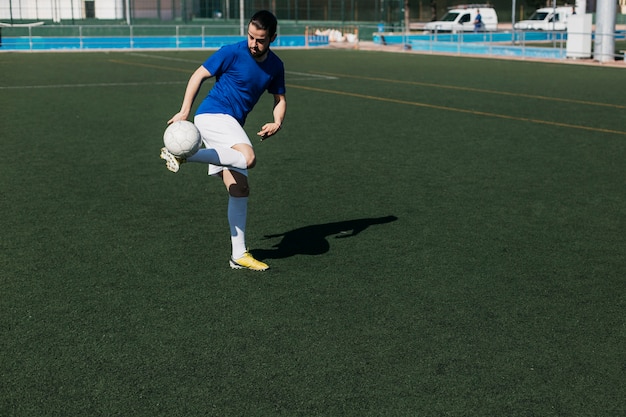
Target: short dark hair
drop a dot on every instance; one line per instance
(265, 20)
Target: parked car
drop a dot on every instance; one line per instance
(461, 19)
(547, 18)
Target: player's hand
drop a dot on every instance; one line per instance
(268, 129)
(177, 118)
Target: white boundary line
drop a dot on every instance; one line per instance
(26, 87)
(307, 76)
(164, 58)
(300, 76)
(304, 75)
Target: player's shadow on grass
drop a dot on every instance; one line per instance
(312, 240)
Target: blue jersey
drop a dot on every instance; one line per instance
(241, 80)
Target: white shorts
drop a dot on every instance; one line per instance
(221, 130)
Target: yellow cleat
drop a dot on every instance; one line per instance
(248, 262)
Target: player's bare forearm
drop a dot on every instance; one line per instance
(193, 86)
(279, 112)
(280, 108)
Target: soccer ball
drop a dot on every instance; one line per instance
(182, 138)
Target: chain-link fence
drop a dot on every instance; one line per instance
(393, 14)
(385, 11)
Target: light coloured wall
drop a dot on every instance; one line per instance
(57, 10)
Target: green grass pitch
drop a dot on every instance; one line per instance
(446, 237)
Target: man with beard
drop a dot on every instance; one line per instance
(243, 72)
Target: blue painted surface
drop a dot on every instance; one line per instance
(488, 49)
(498, 43)
(473, 37)
(144, 42)
(465, 43)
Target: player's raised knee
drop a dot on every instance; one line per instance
(239, 190)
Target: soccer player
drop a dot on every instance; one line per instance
(243, 72)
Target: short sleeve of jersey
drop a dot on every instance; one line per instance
(277, 86)
(217, 62)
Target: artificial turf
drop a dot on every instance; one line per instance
(445, 236)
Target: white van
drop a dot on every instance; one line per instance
(461, 19)
(547, 18)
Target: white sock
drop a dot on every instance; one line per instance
(226, 157)
(237, 215)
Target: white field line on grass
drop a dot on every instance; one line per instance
(163, 58)
(305, 76)
(40, 86)
(290, 75)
